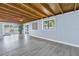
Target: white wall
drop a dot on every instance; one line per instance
(67, 29)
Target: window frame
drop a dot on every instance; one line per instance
(49, 19)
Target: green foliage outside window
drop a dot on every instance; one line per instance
(10, 29)
(6, 26)
(46, 24)
(49, 24)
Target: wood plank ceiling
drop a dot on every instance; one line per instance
(26, 12)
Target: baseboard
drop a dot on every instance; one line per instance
(74, 45)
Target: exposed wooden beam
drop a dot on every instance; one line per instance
(27, 13)
(41, 8)
(31, 9)
(75, 6)
(48, 8)
(60, 8)
(36, 7)
(45, 9)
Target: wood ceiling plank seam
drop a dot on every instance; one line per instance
(48, 8)
(45, 8)
(61, 10)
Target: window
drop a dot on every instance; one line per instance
(49, 24)
(6, 29)
(52, 24)
(10, 29)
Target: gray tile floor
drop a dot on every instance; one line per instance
(31, 46)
